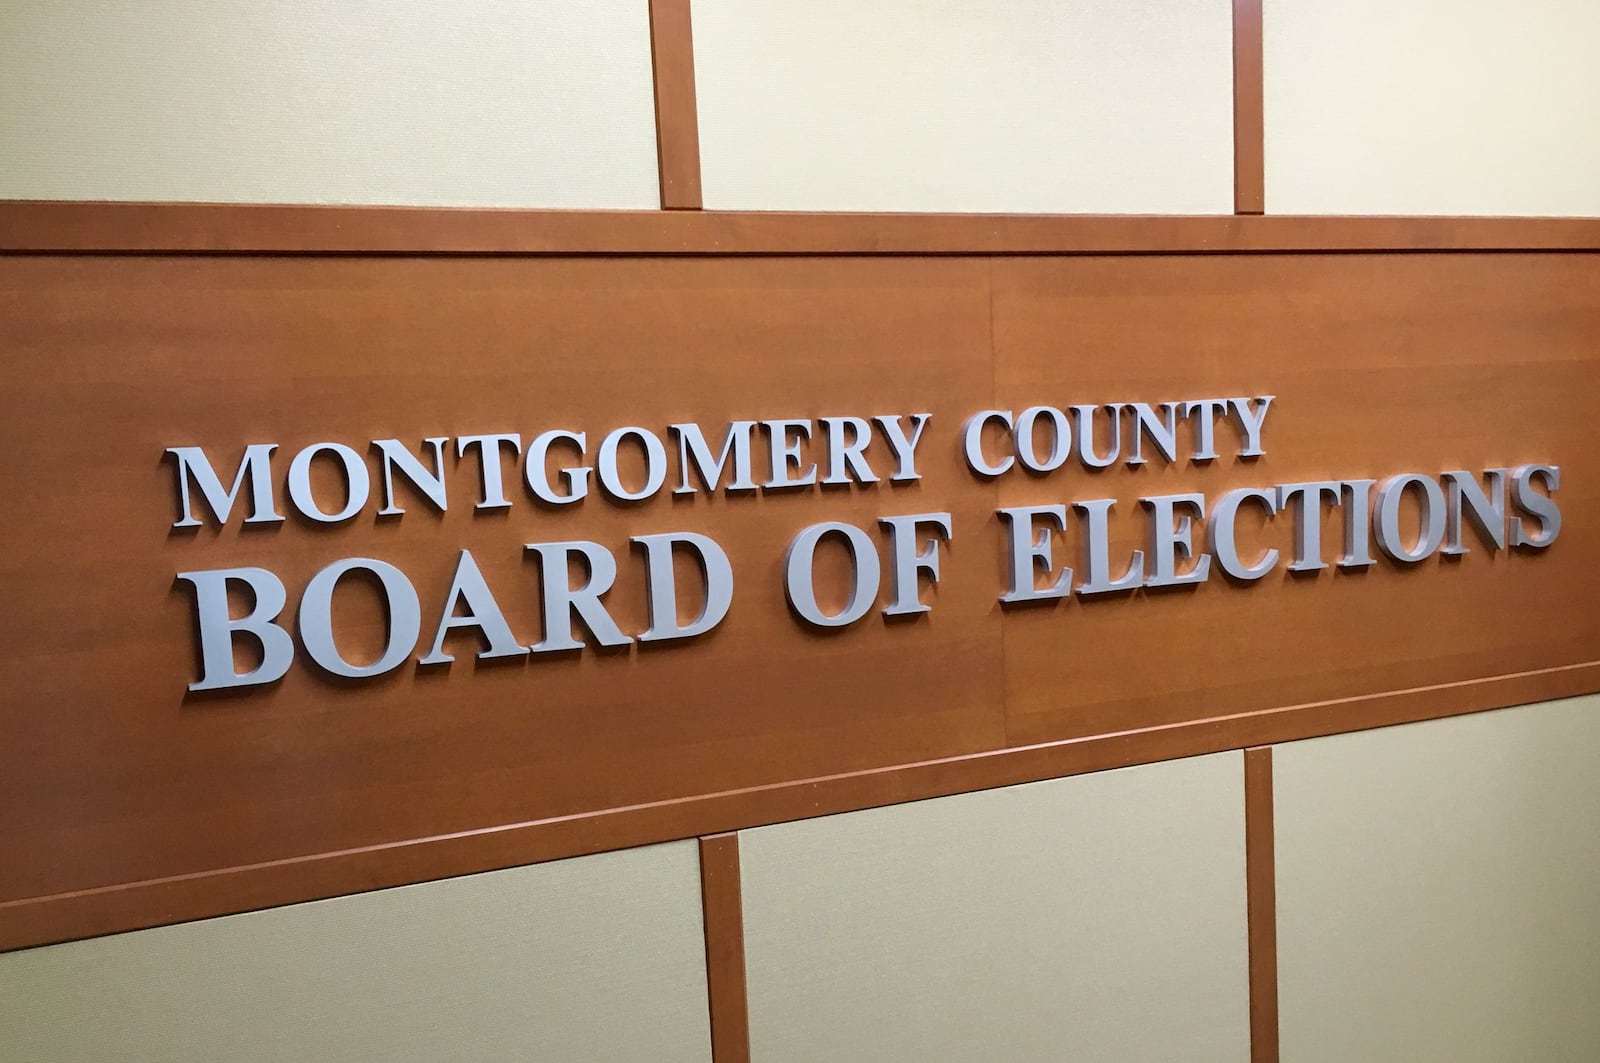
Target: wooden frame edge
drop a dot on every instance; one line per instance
(1261, 893)
(677, 118)
(722, 905)
(35, 227)
(1249, 121)
(113, 909)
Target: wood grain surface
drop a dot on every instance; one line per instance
(126, 802)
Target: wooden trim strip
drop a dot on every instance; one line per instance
(1261, 890)
(677, 121)
(134, 905)
(723, 905)
(1249, 124)
(116, 228)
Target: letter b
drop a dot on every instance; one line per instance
(218, 629)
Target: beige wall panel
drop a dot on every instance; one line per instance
(452, 102)
(1100, 917)
(1432, 107)
(597, 958)
(1439, 890)
(966, 105)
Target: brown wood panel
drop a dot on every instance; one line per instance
(723, 904)
(113, 772)
(211, 228)
(677, 125)
(1249, 133)
(1262, 904)
(137, 805)
(1380, 365)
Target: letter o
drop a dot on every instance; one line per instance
(356, 479)
(1023, 441)
(797, 572)
(316, 617)
(1387, 527)
(655, 464)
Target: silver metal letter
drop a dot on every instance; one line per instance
(802, 592)
(909, 564)
(431, 484)
(483, 612)
(1463, 491)
(1086, 454)
(1060, 449)
(1163, 432)
(1220, 540)
(494, 493)
(904, 447)
(1028, 553)
(576, 480)
(1206, 426)
(1251, 421)
(561, 599)
(1533, 504)
(1387, 525)
(316, 618)
(848, 437)
(1171, 537)
(357, 483)
(1308, 519)
(655, 464)
(661, 582)
(1097, 550)
(785, 453)
(256, 467)
(218, 628)
(692, 445)
(1357, 524)
(972, 442)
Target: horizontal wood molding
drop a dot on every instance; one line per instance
(136, 905)
(267, 229)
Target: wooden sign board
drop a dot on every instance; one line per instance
(126, 799)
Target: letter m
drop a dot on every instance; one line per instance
(194, 467)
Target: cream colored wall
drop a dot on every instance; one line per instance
(1432, 107)
(544, 103)
(966, 105)
(1439, 890)
(597, 958)
(1096, 917)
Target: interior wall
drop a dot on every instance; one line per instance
(1438, 884)
(964, 105)
(544, 103)
(1432, 107)
(595, 958)
(1095, 917)
(1438, 889)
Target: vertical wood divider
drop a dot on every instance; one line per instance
(677, 123)
(1261, 904)
(1249, 124)
(723, 907)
